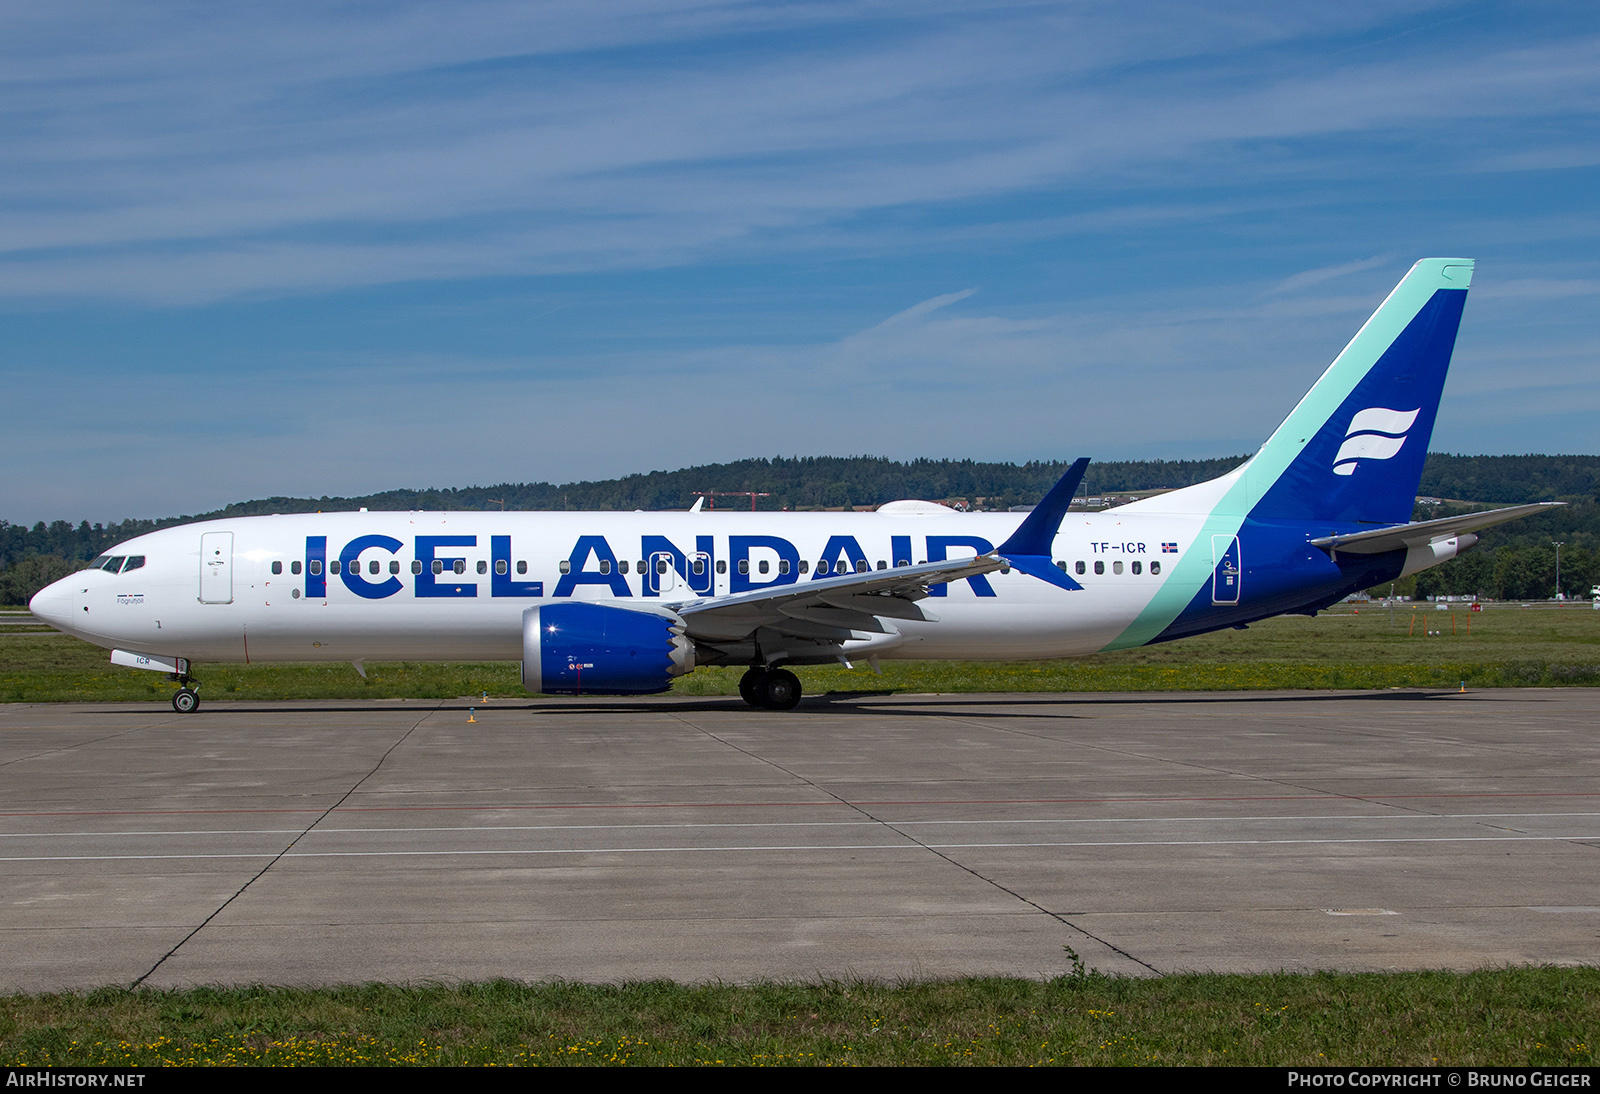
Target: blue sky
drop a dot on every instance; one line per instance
(306, 249)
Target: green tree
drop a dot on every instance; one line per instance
(20, 580)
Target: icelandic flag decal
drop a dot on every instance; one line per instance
(1169, 548)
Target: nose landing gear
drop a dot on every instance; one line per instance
(770, 689)
(187, 700)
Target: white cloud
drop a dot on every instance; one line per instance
(1307, 278)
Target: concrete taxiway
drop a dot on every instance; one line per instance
(866, 835)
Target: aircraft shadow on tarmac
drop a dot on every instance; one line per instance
(873, 702)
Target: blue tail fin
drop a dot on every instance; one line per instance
(1353, 449)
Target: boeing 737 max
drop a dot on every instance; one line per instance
(622, 603)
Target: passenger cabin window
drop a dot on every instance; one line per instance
(566, 566)
(294, 567)
(1155, 567)
(333, 567)
(1099, 567)
(374, 566)
(882, 565)
(1138, 567)
(438, 566)
(460, 566)
(1079, 566)
(700, 566)
(744, 565)
(605, 565)
(277, 567)
(483, 567)
(764, 566)
(394, 566)
(622, 567)
(722, 565)
(1116, 567)
(316, 567)
(805, 565)
(522, 566)
(822, 567)
(501, 567)
(783, 565)
(862, 566)
(416, 565)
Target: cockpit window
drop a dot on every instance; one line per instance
(133, 563)
(113, 564)
(98, 562)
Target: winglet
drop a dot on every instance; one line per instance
(1029, 547)
(1037, 532)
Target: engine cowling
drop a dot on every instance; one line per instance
(601, 649)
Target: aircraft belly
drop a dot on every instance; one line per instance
(390, 631)
(1064, 625)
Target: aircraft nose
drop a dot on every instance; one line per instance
(53, 603)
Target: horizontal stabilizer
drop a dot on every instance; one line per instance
(1418, 533)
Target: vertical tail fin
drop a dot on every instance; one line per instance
(1353, 449)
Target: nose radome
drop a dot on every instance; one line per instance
(53, 603)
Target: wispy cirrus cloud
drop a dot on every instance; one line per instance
(191, 155)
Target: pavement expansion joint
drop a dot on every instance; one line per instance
(280, 855)
(936, 852)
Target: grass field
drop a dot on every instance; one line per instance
(1506, 647)
(1527, 1017)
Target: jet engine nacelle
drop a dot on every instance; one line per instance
(601, 649)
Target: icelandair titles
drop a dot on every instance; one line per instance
(439, 566)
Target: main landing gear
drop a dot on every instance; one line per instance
(771, 689)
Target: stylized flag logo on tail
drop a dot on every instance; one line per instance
(1374, 434)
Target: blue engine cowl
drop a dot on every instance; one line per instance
(601, 649)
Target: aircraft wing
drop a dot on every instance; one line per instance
(829, 609)
(817, 616)
(1422, 532)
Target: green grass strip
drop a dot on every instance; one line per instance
(1509, 1017)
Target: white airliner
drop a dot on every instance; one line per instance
(622, 603)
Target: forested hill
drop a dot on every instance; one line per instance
(836, 482)
(1511, 480)
(811, 482)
